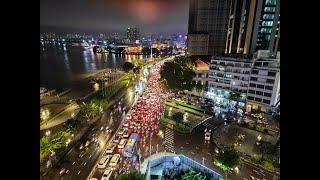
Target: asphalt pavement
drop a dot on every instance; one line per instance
(80, 167)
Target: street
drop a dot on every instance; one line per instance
(80, 167)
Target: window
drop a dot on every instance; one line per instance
(250, 98)
(260, 86)
(268, 16)
(228, 75)
(266, 30)
(259, 93)
(266, 64)
(252, 85)
(258, 99)
(273, 74)
(267, 94)
(269, 87)
(254, 72)
(251, 92)
(267, 23)
(271, 2)
(269, 9)
(253, 78)
(271, 81)
(266, 101)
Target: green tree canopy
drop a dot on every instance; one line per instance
(127, 66)
(52, 143)
(178, 117)
(229, 158)
(178, 74)
(133, 175)
(193, 175)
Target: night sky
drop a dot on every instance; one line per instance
(151, 16)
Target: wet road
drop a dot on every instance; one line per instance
(79, 167)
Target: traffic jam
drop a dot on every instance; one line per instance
(123, 153)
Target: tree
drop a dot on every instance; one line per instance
(230, 158)
(193, 175)
(133, 175)
(199, 88)
(127, 66)
(52, 143)
(72, 124)
(178, 75)
(178, 117)
(89, 111)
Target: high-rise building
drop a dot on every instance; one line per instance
(133, 34)
(207, 26)
(253, 25)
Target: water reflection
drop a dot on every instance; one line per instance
(60, 65)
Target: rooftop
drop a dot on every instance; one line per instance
(200, 65)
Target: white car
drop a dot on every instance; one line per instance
(126, 134)
(122, 143)
(111, 148)
(107, 174)
(103, 162)
(114, 160)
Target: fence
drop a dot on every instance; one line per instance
(166, 159)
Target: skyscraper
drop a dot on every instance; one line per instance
(253, 25)
(207, 27)
(133, 34)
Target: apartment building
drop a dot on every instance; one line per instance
(256, 78)
(264, 84)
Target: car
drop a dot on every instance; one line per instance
(121, 131)
(83, 153)
(103, 162)
(122, 143)
(114, 161)
(126, 123)
(111, 148)
(107, 174)
(116, 139)
(126, 134)
(62, 171)
(81, 146)
(87, 143)
(207, 136)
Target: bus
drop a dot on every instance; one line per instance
(130, 146)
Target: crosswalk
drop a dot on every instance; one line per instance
(169, 138)
(209, 125)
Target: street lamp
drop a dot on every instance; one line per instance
(48, 133)
(259, 137)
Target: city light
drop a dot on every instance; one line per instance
(96, 87)
(44, 114)
(48, 132)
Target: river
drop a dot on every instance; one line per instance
(61, 67)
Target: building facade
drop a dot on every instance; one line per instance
(255, 78)
(264, 85)
(207, 26)
(253, 25)
(133, 34)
